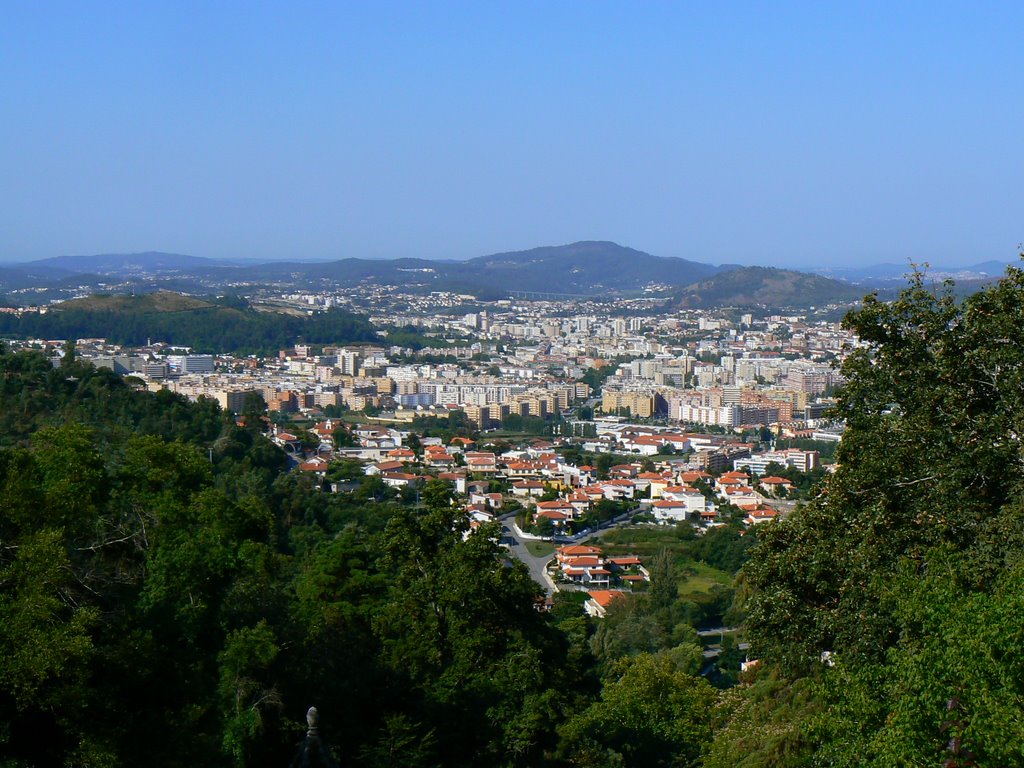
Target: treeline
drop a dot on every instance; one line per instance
(205, 329)
(411, 337)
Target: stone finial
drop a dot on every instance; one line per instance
(313, 753)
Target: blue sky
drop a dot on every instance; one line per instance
(793, 134)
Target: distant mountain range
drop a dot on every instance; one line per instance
(586, 268)
(127, 264)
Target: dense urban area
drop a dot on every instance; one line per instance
(568, 413)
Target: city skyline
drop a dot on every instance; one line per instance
(791, 137)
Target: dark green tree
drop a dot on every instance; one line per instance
(908, 546)
(651, 713)
(461, 627)
(69, 356)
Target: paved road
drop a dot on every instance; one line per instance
(518, 547)
(713, 652)
(537, 564)
(712, 631)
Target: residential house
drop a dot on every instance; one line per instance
(669, 510)
(691, 477)
(559, 509)
(624, 471)
(401, 479)
(628, 569)
(489, 500)
(316, 465)
(481, 461)
(617, 490)
(583, 565)
(461, 444)
(528, 488)
(759, 513)
(600, 601)
(694, 498)
(517, 470)
(654, 481)
(403, 455)
(568, 552)
(382, 466)
(375, 437)
(776, 486)
(741, 495)
(580, 501)
(437, 456)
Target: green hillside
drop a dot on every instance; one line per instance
(768, 287)
(181, 320)
(143, 303)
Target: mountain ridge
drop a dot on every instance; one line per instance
(598, 268)
(589, 267)
(120, 263)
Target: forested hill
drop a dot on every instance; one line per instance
(587, 267)
(230, 326)
(768, 287)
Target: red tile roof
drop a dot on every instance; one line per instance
(605, 597)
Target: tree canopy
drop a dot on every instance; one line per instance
(892, 588)
(206, 328)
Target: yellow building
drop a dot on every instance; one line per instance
(638, 403)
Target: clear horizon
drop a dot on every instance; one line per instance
(795, 136)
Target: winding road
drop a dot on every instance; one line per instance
(536, 565)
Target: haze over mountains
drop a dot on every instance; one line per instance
(585, 268)
(878, 274)
(126, 264)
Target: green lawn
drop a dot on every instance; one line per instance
(700, 579)
(539, 548)
(640, 541)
